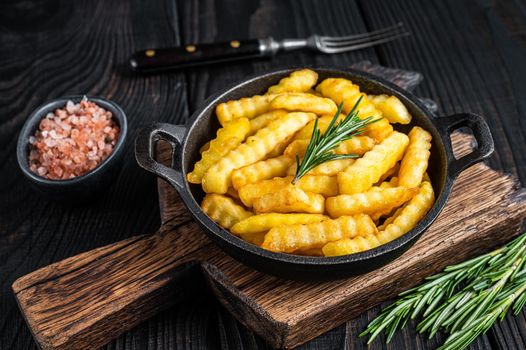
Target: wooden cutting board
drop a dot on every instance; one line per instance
(87, 300)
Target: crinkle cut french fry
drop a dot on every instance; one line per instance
(415, 161)
(262, 170)
(296, 148)
(392, 108)
(247, 107)
(305, 103)
(331, 168)
(280, 147)
(347, 246)
(391, 218)
(393, 182)
(313, 92)
(309, 252)
(411, 214)
(357, 145)
(290, 199)
(321, 184)
(391, 172)
(265, 222)
(426, 177)
(204, 147)
(375, 200)
(264, 119)
(366, 171)
(290, 238)
(342, 90)
(256, 238)
(223, 210)
(232, 192)
(251, 191)
(298, 81)
(323, 123)
(218, 178)
(228, 138)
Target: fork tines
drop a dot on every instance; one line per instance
(329, 44)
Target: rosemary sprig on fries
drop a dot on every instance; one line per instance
(320, 145)
(464, 300)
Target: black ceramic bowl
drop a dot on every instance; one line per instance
(186, 140)
(81, 188)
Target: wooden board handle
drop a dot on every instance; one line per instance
(101, 293)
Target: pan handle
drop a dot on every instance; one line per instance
(482, 135)
(145, 147)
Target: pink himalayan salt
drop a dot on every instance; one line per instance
(72, 141)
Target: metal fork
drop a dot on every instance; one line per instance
(335, 44)
(203, 54)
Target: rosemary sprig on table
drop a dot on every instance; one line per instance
(464, 300)
(320, 145)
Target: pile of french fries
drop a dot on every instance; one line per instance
(340, 207)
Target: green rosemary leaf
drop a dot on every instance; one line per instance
(319, 149)
(464, 300)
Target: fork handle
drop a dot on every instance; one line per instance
(199, 55)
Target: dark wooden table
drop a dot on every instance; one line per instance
(472, 54)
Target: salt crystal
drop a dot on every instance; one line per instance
(72, 141)
(70, 107)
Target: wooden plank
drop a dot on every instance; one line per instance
(56, 48)
(287, 313)
(85, 301)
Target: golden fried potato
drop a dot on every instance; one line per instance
(247, 107)
(366, 171)
(265, 222)
(223, 210)
(410, 215)
(296, 148)
(391, 218)
(414, 163)
(298, 81)
(321, 184)
(262, 170)
(331, 168)
(309, 252)
(232, 192)
(256, 238)
(218, 178)
(390, 173)
(280, 147)
(290, 238)
(323, 123)
(313, 92)
(392, 108)
(204, 147)
(393, 182)
(290, 199)
(305, 103)
(357, 145)
(264, 119)
(426, 177)
(347, 246)
(375, 200)
(228, 138)
(342, 90)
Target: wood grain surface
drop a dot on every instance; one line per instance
(85, 301)
(471, 54)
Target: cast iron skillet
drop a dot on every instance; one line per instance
(186, 140)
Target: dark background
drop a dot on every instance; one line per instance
(471, 53)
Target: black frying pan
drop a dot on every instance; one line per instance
(186, 140)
